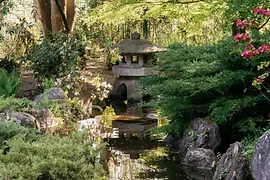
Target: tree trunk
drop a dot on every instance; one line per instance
(56, 18)
(44, 11)
(70, 12)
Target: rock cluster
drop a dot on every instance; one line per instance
(197, 146)
(233, 165)
(261, 158)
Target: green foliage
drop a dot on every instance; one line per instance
(9, 64)
(9, 129)
(12, 104)
(58, 57)
(69, 113)
(194, 23)
(212, 82)
(5, 6)
(48, 156)
(9, 82)
(241, 9)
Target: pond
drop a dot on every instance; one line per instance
(132, 154)
(141, 158)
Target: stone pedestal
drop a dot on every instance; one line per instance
(127, 86)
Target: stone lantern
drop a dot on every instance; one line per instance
(136, 61)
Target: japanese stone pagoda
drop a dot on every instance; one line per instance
(136, 62)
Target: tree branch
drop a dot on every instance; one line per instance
(263, 24)
(63, 16)
(185, 2)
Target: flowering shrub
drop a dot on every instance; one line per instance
(251, 52)
(77, 85)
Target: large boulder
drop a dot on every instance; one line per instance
(46, 119)
(200, 163)
(22, 118)
(200, 158)
(51, 94)
(261, 158)
(200, 134)
(233, 165)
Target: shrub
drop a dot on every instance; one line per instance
(9, 129)
(211, 82)
(15, 104)
(9, 82)
(9, 64)
(56, 58)
(49, 157)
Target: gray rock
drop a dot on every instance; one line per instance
(198, 174)
(233, 165)
(46, 119)
(261, 158)
(200, 163)
(201, 134)
(22, 118)
(51, 94)
(172, 142)
(200, 158)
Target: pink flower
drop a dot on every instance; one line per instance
(259, 80)
(242, 36)
(261, 11)
(237, 37)
(245, 37)
(238, 22)
(256, 11)
(241, 23)
(250, 47)
(247, 54)
(264, 48)
(256, 52)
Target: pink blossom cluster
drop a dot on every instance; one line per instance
(244, 37)
(258, 80)
(251, 51)
(261, 11)
(241, 23)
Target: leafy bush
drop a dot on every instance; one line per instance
(9, 129)
(9, 82)
(15, 104)
(9, 64)
(212, 82)
(49, 157)
(58, 57)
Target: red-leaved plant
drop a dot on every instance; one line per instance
(250, 51)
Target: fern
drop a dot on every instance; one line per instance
(9, 82)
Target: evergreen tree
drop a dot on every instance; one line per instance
(211, 82)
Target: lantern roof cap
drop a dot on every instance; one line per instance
(135, 45)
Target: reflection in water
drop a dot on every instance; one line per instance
(137, 159)
(132, 154)
(123, 167)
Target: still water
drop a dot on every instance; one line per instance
(132, 154)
